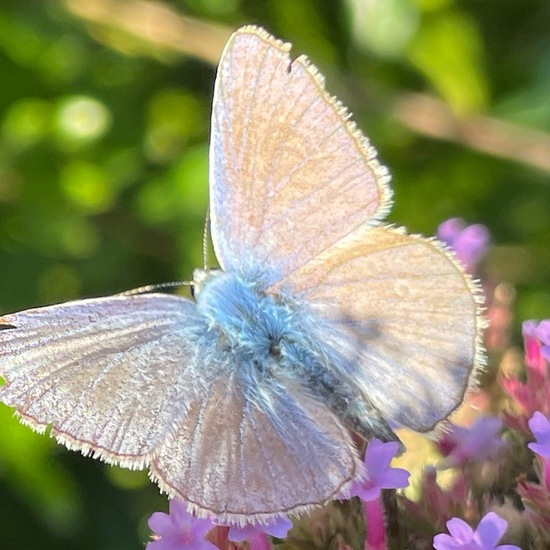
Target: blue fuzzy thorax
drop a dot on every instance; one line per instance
(252, 322)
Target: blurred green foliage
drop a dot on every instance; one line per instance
(103, 181)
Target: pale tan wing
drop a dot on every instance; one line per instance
(111, 375)
(408, 321)
(255, 450)
(290, 175)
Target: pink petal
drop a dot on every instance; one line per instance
(395, 478)
(490, 530)
(178, 512)
(532, 345)
(471, 244)
(162, 544)
(540, 426)
(449, 230)
(378, 455)
(367, 494)
(240, 534)
(446, 542)
(160, 523)
(279, 528)
(460, 530)
(543, 331)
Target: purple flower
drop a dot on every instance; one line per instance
(179, 530)
(463, 537)
(479, 441)
(470, 243)
(450, 229)
(278, 528)
(380, 475)
(540, 426)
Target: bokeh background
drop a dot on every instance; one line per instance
(104, 122)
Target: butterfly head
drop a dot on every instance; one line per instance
(201, 277)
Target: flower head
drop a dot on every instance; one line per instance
(533, 394)
(179, 530)
(380, 475)
(479, 441)
(470, 243)
(463, 537)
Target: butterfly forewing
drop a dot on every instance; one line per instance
(111, 375)
(408, 318)
(289, 174)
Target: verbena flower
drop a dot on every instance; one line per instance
(540, 426)
(179, 530)
(469, 242)
(463, 537)
(278, 528)
(380, 475)
(533, 394)
(534, 345)
(479, 441)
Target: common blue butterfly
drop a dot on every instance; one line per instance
(322, 320)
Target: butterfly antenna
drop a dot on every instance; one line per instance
(153, 288)
(205, 239)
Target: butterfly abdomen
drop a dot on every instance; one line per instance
(269, 335)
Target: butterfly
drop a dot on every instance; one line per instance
(322, 321)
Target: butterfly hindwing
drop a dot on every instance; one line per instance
(251, 452)
(408, 321)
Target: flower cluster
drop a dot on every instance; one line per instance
(485, 481)
(532, 393)
(181, 530)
